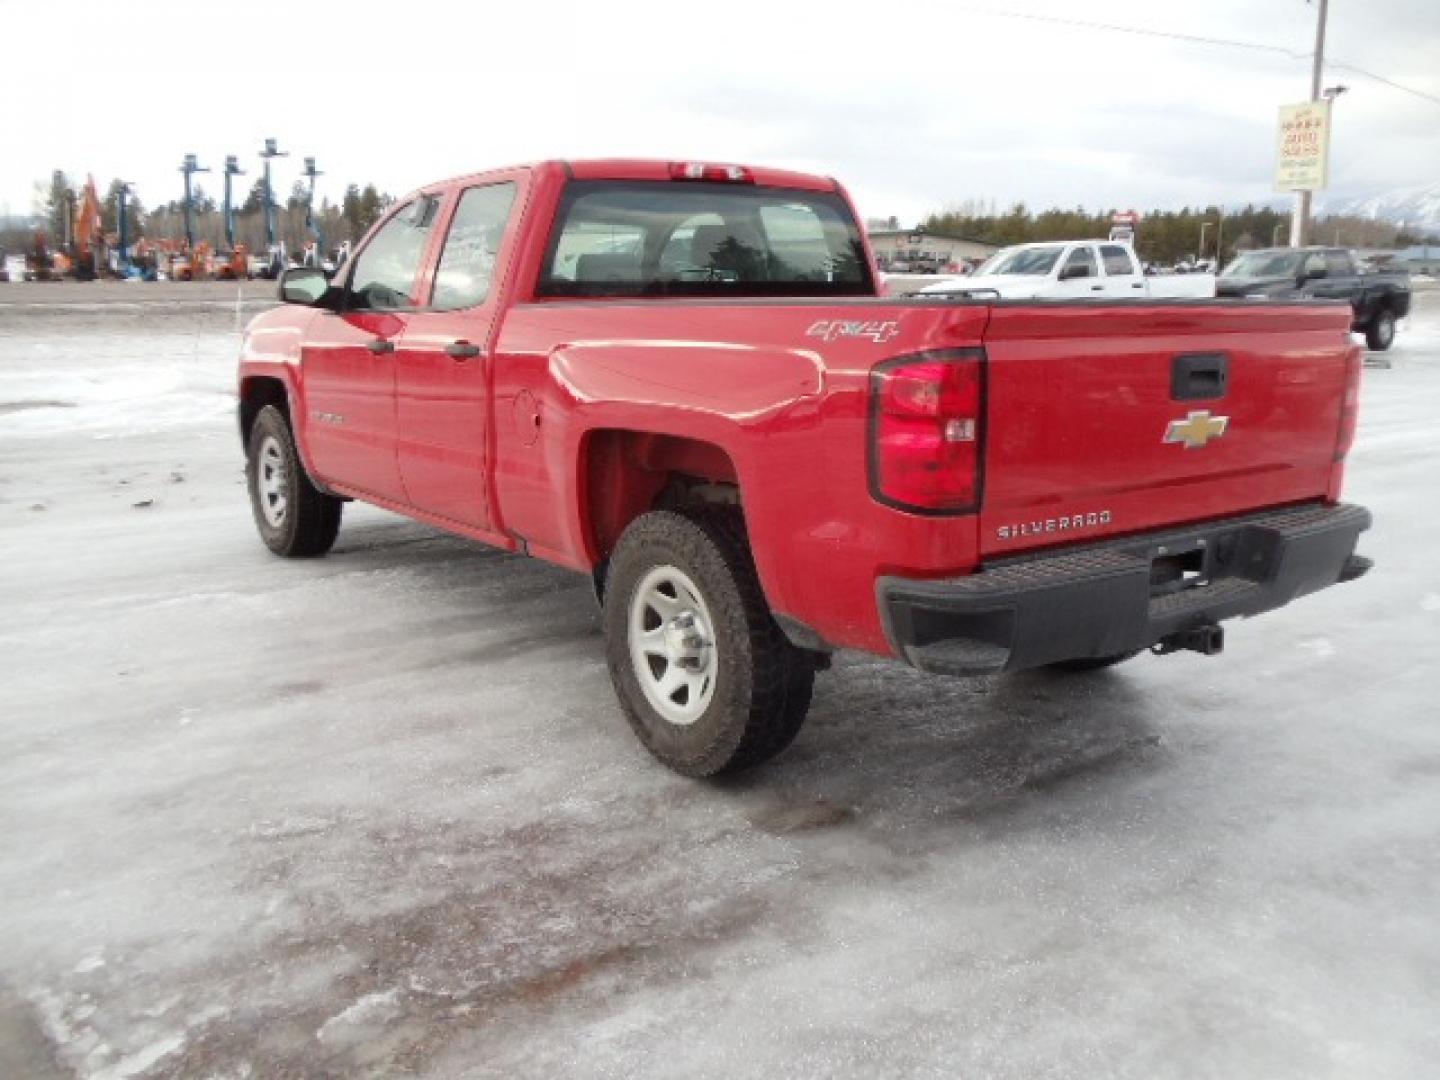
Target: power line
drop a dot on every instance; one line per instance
(1139, 31)
(1433, 98)
(1198, 39)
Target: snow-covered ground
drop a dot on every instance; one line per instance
(377, 814)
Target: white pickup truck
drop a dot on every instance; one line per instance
(1070, 270)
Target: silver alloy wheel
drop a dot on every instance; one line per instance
(272, 482)
(1386, 327)
(672, 645)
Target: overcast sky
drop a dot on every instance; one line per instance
(912, 103)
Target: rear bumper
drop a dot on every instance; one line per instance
(1100, 600)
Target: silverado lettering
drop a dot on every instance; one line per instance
(1057, 524)
(596, 364)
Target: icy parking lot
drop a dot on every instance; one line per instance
(378, 815)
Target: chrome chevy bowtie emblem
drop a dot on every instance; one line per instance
(1197, 429)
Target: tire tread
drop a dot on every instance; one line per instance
(780, 676)
(314, 520)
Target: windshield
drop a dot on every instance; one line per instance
(669, 238)
(1265, 264)
(1036, 261)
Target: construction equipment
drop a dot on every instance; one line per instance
(40, 261)
(87, 239)
(189, 167)
(232, 265)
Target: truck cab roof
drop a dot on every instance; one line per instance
(654, 169)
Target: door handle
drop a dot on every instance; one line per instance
(380, 345)
(1137, 285)
(1096, 288)
(462, 350)
(1199, 376)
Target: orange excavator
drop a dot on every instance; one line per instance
(231, 265)
(86, 258)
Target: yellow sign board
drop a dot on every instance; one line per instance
(1303, 158)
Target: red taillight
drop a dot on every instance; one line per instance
(925, 431)
(699, 170)
(1349, 403)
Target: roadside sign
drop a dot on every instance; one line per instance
(1303, 150)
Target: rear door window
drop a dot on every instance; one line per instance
(467, 263)
(1117, 261)
(675, 238)
(1338, 264)
(1082, 258)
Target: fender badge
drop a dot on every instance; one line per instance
(876, 331)
(1197, 429)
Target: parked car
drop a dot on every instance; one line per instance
(1377, 300)
(758, 460)
(1081, 269)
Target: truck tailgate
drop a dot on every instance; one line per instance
(1104, 420)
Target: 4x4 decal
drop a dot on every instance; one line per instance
(830, 329)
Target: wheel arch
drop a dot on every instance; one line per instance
(259, 389)
(625, 472)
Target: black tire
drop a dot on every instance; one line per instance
(762, 683)
(1092, 663)
(1380, 334)
(307, 522)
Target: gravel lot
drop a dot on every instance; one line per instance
(377, 814)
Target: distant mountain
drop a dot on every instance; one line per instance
(1414, 207)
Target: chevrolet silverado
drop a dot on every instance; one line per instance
(680, 379)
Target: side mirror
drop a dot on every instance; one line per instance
(1074, 270)
(306, 285)
(1314, 273)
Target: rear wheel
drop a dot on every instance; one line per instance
(705, 676)
(292, 515)
(1380, 334)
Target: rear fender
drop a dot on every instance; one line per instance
(645, 410)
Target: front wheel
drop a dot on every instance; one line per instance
(705, 676)
(292, 515)
(1380, 334)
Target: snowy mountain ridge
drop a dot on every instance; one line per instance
(1414, 207)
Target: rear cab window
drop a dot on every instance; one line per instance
(656, 238)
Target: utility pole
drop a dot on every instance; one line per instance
(69, 220)
(190, 166)
(1300, 227)
(311, 172)
(1200, 254)
(232, 170)
(122, 197)
(265, 155)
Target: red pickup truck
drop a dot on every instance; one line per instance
(684, 380)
